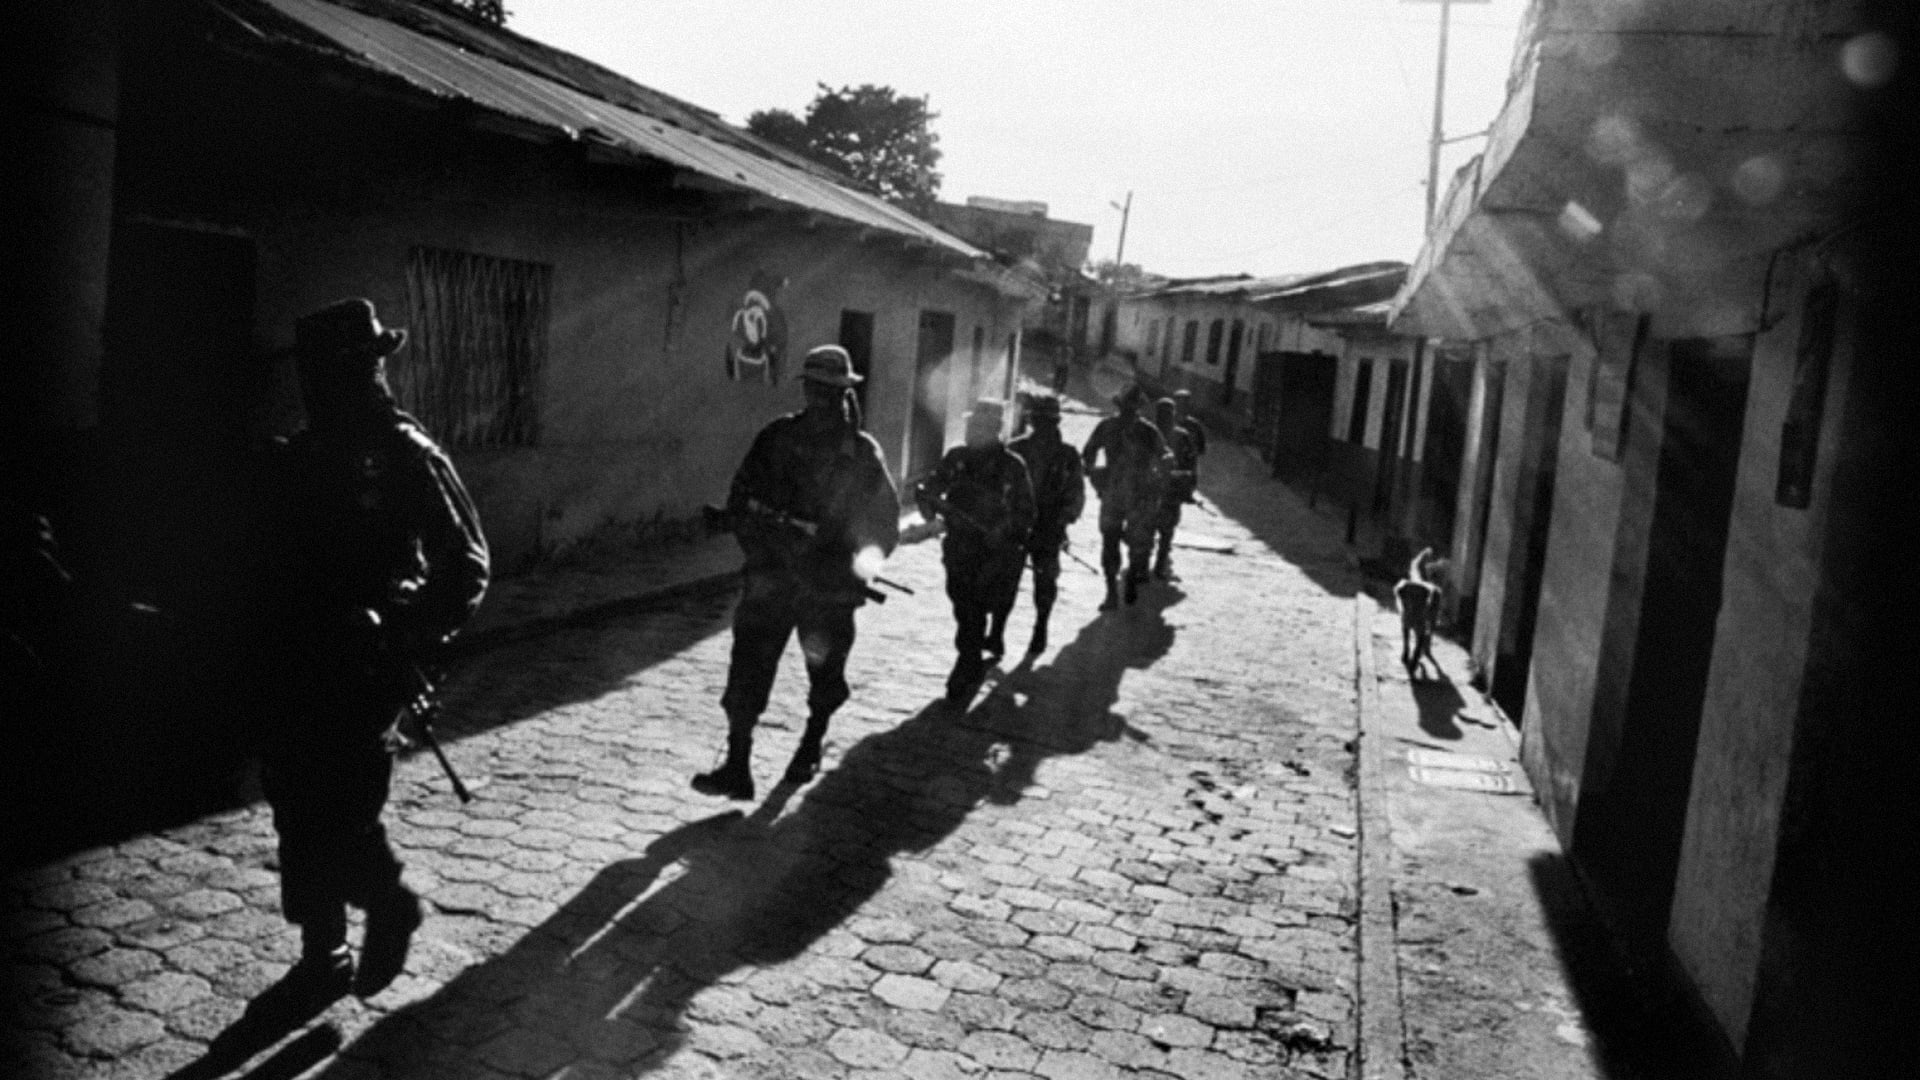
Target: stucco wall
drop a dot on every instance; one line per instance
(1753, 690)
(638, 420)
(1533, 375)
(1573, 602)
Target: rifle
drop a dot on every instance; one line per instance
(423, 707)
(720, 519)
(1067, 550)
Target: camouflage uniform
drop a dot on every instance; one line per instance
(982, 492)
(1059, 494)
(379, 561)
(1130, 485)
(1183, 478)
(812, 494)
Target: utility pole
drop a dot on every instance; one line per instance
(1439, 137)
(1439, 109)
(1120, 253)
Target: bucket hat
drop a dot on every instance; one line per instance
(829, 364)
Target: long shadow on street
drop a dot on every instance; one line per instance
(611, 975)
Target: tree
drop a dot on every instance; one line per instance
(880, 139)
(486, 11)
(1122, 277)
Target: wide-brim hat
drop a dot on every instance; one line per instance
(831, 365)
(349, 327)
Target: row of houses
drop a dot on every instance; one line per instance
(1677, 287)
(608, 293)
(608, 289)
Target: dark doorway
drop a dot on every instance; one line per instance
(182, 390)
(976, 365)
(1630, 821)
(179, 335)
(1269, 371)
(856, 336)
(1305, 415)
(1446, 442)
(932, 358)
(1387, 461)
(1234, 335)
(1533, 514)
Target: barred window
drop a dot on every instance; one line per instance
(478, 345)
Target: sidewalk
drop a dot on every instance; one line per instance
(608, 581)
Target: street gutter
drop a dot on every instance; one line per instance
(1382, 1035)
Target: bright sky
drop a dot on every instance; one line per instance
(1257, 136)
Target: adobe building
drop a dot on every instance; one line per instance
(1682, 268)
(608, 290)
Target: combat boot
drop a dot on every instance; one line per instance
(995, 644)
(1133, 587)
(734, 778)
(1113, 593)
(391, 921)
(806, 760)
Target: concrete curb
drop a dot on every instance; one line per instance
(1382, 1035)
(470, 645)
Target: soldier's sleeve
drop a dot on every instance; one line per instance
(447, 528)
(1076, 488)
(1020, 502)
(931, 489)
(880, 506)
(756, 480)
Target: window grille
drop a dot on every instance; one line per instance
(477, 349)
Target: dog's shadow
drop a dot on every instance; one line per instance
(1439, 702)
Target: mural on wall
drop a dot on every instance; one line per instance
(758, 344)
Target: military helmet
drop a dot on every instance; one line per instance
(1043, 407)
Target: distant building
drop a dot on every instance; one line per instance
(1021, 235)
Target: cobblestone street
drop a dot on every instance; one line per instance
(1133, 856)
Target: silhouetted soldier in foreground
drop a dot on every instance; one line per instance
(1183, 478)
(378, 561)
(1126, 459)
(1059, 494)
(981, 491)
(816, 515)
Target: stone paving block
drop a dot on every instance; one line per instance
(866, 1049)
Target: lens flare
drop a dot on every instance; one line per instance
(1870, 60)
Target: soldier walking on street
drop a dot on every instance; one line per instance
(1182, 480)
(816, 515)
(1184, 419)
(378, 562)
(1129, 482)
(1059, 494)
(981, 491)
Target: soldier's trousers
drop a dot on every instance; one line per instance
(326, 778)
(1122, 523)
(1164, 525)
(768, 614)
(1046, 575)
(981, 581)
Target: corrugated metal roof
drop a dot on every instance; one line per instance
(440, 67)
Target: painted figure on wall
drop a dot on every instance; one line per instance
(758, 343)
